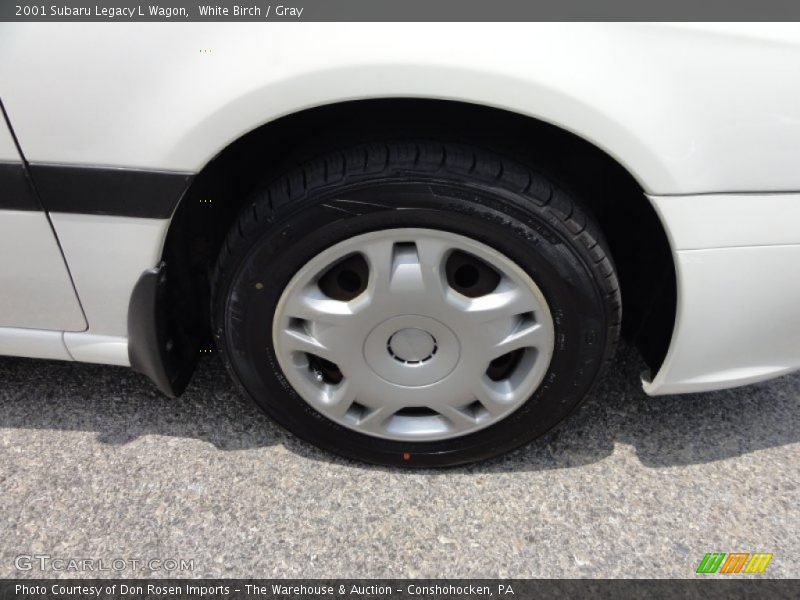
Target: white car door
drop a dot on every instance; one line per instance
(36, 291)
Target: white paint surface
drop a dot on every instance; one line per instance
(106, 256)
(35, 289)
(33, 343)
(738, 319)
(687, 108)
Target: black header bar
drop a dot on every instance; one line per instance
(182, 11)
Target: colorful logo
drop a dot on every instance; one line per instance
(736, 562)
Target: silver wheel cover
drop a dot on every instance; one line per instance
(413, 353)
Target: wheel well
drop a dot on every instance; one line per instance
(638, 243)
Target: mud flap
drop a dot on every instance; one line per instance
(156, 347)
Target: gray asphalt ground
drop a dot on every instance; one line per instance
(94, 463)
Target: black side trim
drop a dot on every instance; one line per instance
(155, 347)
(15, 189)
(109, 191)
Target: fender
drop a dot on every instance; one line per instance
(647, 94)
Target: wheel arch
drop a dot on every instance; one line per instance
(639, 244)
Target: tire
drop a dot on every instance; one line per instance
(506, 221)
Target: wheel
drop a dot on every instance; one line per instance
(415, 304)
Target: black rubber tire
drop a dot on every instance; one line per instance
(466, 190)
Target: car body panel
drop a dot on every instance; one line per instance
(33, 343)
(105, 279)
(107, 255)
(666, 100)
(736, 260)
(37, 291)
(8, 149)
(730, 220)
(35, 287)
(737, 320)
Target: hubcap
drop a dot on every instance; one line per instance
(389, 350)
(412, 346)
(413, 334)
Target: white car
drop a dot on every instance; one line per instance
(411, 244)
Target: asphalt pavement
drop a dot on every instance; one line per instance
(96, 465)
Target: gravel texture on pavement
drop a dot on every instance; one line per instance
(95, 463)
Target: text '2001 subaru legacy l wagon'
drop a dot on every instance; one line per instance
(409, 248)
